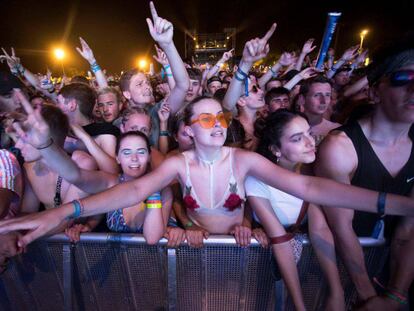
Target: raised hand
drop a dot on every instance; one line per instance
(34, 130)
(160, 29)
(257, 49)
(86, 52)
(361, 57)
(164, 112)
(287, 58)
(161, 58)
(46, 81)
(12, 61)
(309, 73)
(350, 53)
(307, 47)
(227, 55)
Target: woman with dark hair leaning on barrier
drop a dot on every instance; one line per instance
(287, 141)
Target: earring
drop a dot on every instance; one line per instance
(278, 155)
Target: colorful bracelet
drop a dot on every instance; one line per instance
(154, 201)
(400, 299)
(95, 67)
(166, 67)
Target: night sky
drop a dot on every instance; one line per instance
(118, 33)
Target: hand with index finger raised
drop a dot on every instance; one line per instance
(160, 29)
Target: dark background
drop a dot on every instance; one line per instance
(118, 33)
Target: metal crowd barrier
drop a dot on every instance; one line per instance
(121, 272)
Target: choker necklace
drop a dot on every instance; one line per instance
(210, 162)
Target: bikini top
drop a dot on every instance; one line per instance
(233, 198)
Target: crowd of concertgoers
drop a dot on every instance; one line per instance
(197, 150)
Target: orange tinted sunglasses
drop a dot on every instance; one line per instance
(208, 120)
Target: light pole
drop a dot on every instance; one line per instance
(362, 35)
(60, 55)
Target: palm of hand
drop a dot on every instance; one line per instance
(38, 131)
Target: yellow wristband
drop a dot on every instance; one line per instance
(154, 205)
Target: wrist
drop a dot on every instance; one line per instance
(92, 61)
(45, 145)
(245, 66)
(166, 45)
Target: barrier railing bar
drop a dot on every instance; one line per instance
(172, 279)
(67, 277)
(245, 272)
(126, 238)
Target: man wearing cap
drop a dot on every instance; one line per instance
(213, 84)
(376, 152)
(7, 83)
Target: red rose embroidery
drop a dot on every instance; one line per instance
(189, 201)
(233, 201)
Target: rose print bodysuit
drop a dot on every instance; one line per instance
(223, 214)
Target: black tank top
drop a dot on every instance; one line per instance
(371, 174)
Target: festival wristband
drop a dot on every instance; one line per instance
(77, 210)
(95, 67)
(164, 133)
(381, 203)
(154, 201)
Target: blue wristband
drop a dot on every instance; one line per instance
(245, 75)
(274, 73)
(77, 208)
(381, 203)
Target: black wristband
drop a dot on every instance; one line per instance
(381, 203)
(50, 143)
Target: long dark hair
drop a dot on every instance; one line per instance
(270, 131)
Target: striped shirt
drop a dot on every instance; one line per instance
(11, 178)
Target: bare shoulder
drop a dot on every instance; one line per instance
(336, 157)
